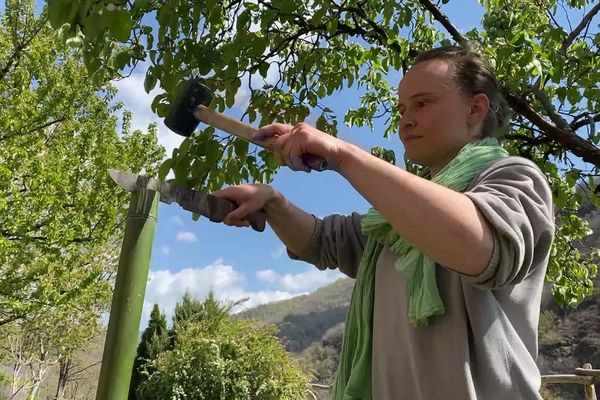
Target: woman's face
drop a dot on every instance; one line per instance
(437, 120)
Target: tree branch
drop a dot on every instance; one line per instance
(37, 128)
(15, 57)
(579, 28)
(577, 145)
(576, 124)
(549, 108)
(444, 21)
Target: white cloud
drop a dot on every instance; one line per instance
(307, 281)
(166, 250)
(310, 280)
(186, 236)
(266, 275)
(136, 100)
(279, 252)
(176, 221)
(166, 288)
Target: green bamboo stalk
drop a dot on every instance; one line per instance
(128, 297)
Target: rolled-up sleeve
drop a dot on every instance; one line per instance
(516, 200)
(336, 242)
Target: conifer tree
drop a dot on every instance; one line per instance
(155, 340)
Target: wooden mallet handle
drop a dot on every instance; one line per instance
(244, 131)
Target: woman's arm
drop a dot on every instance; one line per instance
(335, 241)
(442, 223)
(293, 226)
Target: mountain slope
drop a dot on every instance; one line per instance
(304, 320)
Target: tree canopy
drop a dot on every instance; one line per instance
(60, 217)
(548, 66)
(218, 357)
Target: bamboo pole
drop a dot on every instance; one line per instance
(128, 297)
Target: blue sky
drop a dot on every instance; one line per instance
(238, 262)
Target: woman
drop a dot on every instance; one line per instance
(449, 266)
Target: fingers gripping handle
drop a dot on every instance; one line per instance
(244, 131)
(219, 208)
(257, 220)
(216, 209)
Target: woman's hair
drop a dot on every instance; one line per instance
(473, 76)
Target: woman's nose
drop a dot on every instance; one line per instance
(406, 122)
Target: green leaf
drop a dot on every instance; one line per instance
(271, 161)
(535, 66)
(92, 26)
(263, 69)
(228, 52)
(120, 24)
(230, 98)
(267, 18)
(74, 42)
(243, 21)
(212, 151)
(150, 80)
(241, 147)
(122, 59)
(141, 5)
(164, 168)
(287, 6)
(259, 45)
(331, 26)
(184, 147)
(321, 123)
(251, 6)
(61, 12)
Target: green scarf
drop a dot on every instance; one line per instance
(353, 379)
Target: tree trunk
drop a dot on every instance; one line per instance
(64, 369)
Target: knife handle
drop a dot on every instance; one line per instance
(219, 207)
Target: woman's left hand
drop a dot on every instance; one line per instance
(296, 145)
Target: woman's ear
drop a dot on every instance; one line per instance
(480, 104)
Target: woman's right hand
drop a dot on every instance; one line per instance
(249, 198)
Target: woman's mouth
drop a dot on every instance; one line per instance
(409, 138)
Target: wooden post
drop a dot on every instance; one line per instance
(590, 390)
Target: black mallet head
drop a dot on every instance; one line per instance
(180, 118)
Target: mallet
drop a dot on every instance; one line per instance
(191, 106)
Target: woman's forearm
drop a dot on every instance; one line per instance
(293, 226)
(445, 225)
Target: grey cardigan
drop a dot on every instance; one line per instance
(485, 345)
